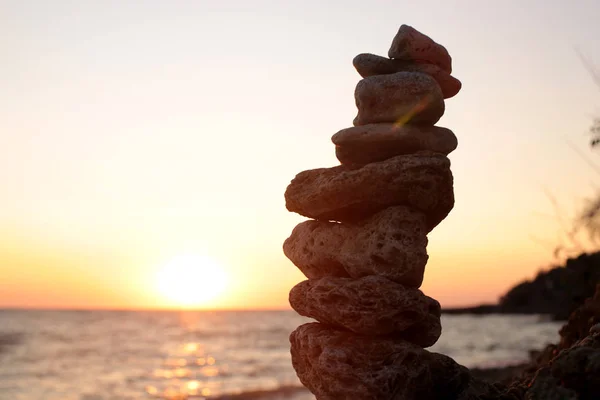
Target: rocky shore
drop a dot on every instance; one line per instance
(569, 369)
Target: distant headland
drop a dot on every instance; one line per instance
(556, 292)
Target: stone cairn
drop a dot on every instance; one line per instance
(364, 250)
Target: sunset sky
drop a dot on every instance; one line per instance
(137, 132)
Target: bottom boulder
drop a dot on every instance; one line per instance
(340, 365)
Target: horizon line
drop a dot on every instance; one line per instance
(143, 309)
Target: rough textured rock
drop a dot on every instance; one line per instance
(573, 374)
(391, 243)
(402, 98)
(578, 368)
(581, 321)
(411, 45)
(482, 390)
(345, 193)
(545, 387)
(377, 142)
(340, 365)
(569, 370)
(577, 329)
(370, 64)
(372, 306)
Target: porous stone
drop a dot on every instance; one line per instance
(391, 243)
(545, 387)
(402, 98)
(582, 320)
(340, 365)
(411, 45)
(377, 142)
(479, 389)
(370, 64)
(578, 368)
(348, 193)
(373, 306)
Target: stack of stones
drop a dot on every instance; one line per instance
(364, 249)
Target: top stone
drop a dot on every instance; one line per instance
(411, 45)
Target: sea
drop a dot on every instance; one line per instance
(237, 355)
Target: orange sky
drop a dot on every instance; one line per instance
(136, 133)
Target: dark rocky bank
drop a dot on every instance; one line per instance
(556, 292)
(569, 369)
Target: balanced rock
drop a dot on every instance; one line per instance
(340, 365)
(377, 142)
(370, 64)
(347, 193)
(403, 97)
(391, 244)
(411, 45)
(372, 306)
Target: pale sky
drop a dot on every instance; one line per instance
(136, 131)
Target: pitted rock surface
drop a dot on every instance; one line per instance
(411, 45)
(484, 390)
(391, 243)
(346, 193)
(545, 387)
(578, 367)
(402, 98)
(372, 306)
(370, 64)
(340, 365)
(581, 321)
(377, 142)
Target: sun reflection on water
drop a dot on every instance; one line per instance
(189, 372)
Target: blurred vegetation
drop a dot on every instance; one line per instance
(581, 233)
(588, 218)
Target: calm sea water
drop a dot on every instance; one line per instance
(113, 355)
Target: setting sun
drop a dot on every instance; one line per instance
(191, 280)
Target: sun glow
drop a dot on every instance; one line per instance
(191, 280)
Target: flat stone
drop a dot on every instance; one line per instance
(411, 45)
(371, 64)
(340, 365)
(377, 142)
(348, 193)
(401, 98)
(391, 243)
(372, 306)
